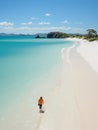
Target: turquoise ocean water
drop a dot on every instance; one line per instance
(24, 63)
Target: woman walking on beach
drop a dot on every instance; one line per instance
(40, 103)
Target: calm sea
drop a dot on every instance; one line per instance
(26, 64)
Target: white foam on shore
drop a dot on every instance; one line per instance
(68, 54)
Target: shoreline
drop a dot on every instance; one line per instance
(88, 51)
(73, 104)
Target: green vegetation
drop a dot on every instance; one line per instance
(93, 39)
(57, 35)
(91, 35)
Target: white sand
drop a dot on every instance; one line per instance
(89, 51)
(73, 105)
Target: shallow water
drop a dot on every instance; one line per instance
(27, 64)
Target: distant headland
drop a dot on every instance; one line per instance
(91, 35)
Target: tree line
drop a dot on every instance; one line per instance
(91, 35)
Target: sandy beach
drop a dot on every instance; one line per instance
(73, 105)
(49, 49)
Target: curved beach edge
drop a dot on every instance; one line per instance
(73, 104)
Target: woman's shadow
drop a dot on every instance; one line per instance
(41, 111)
